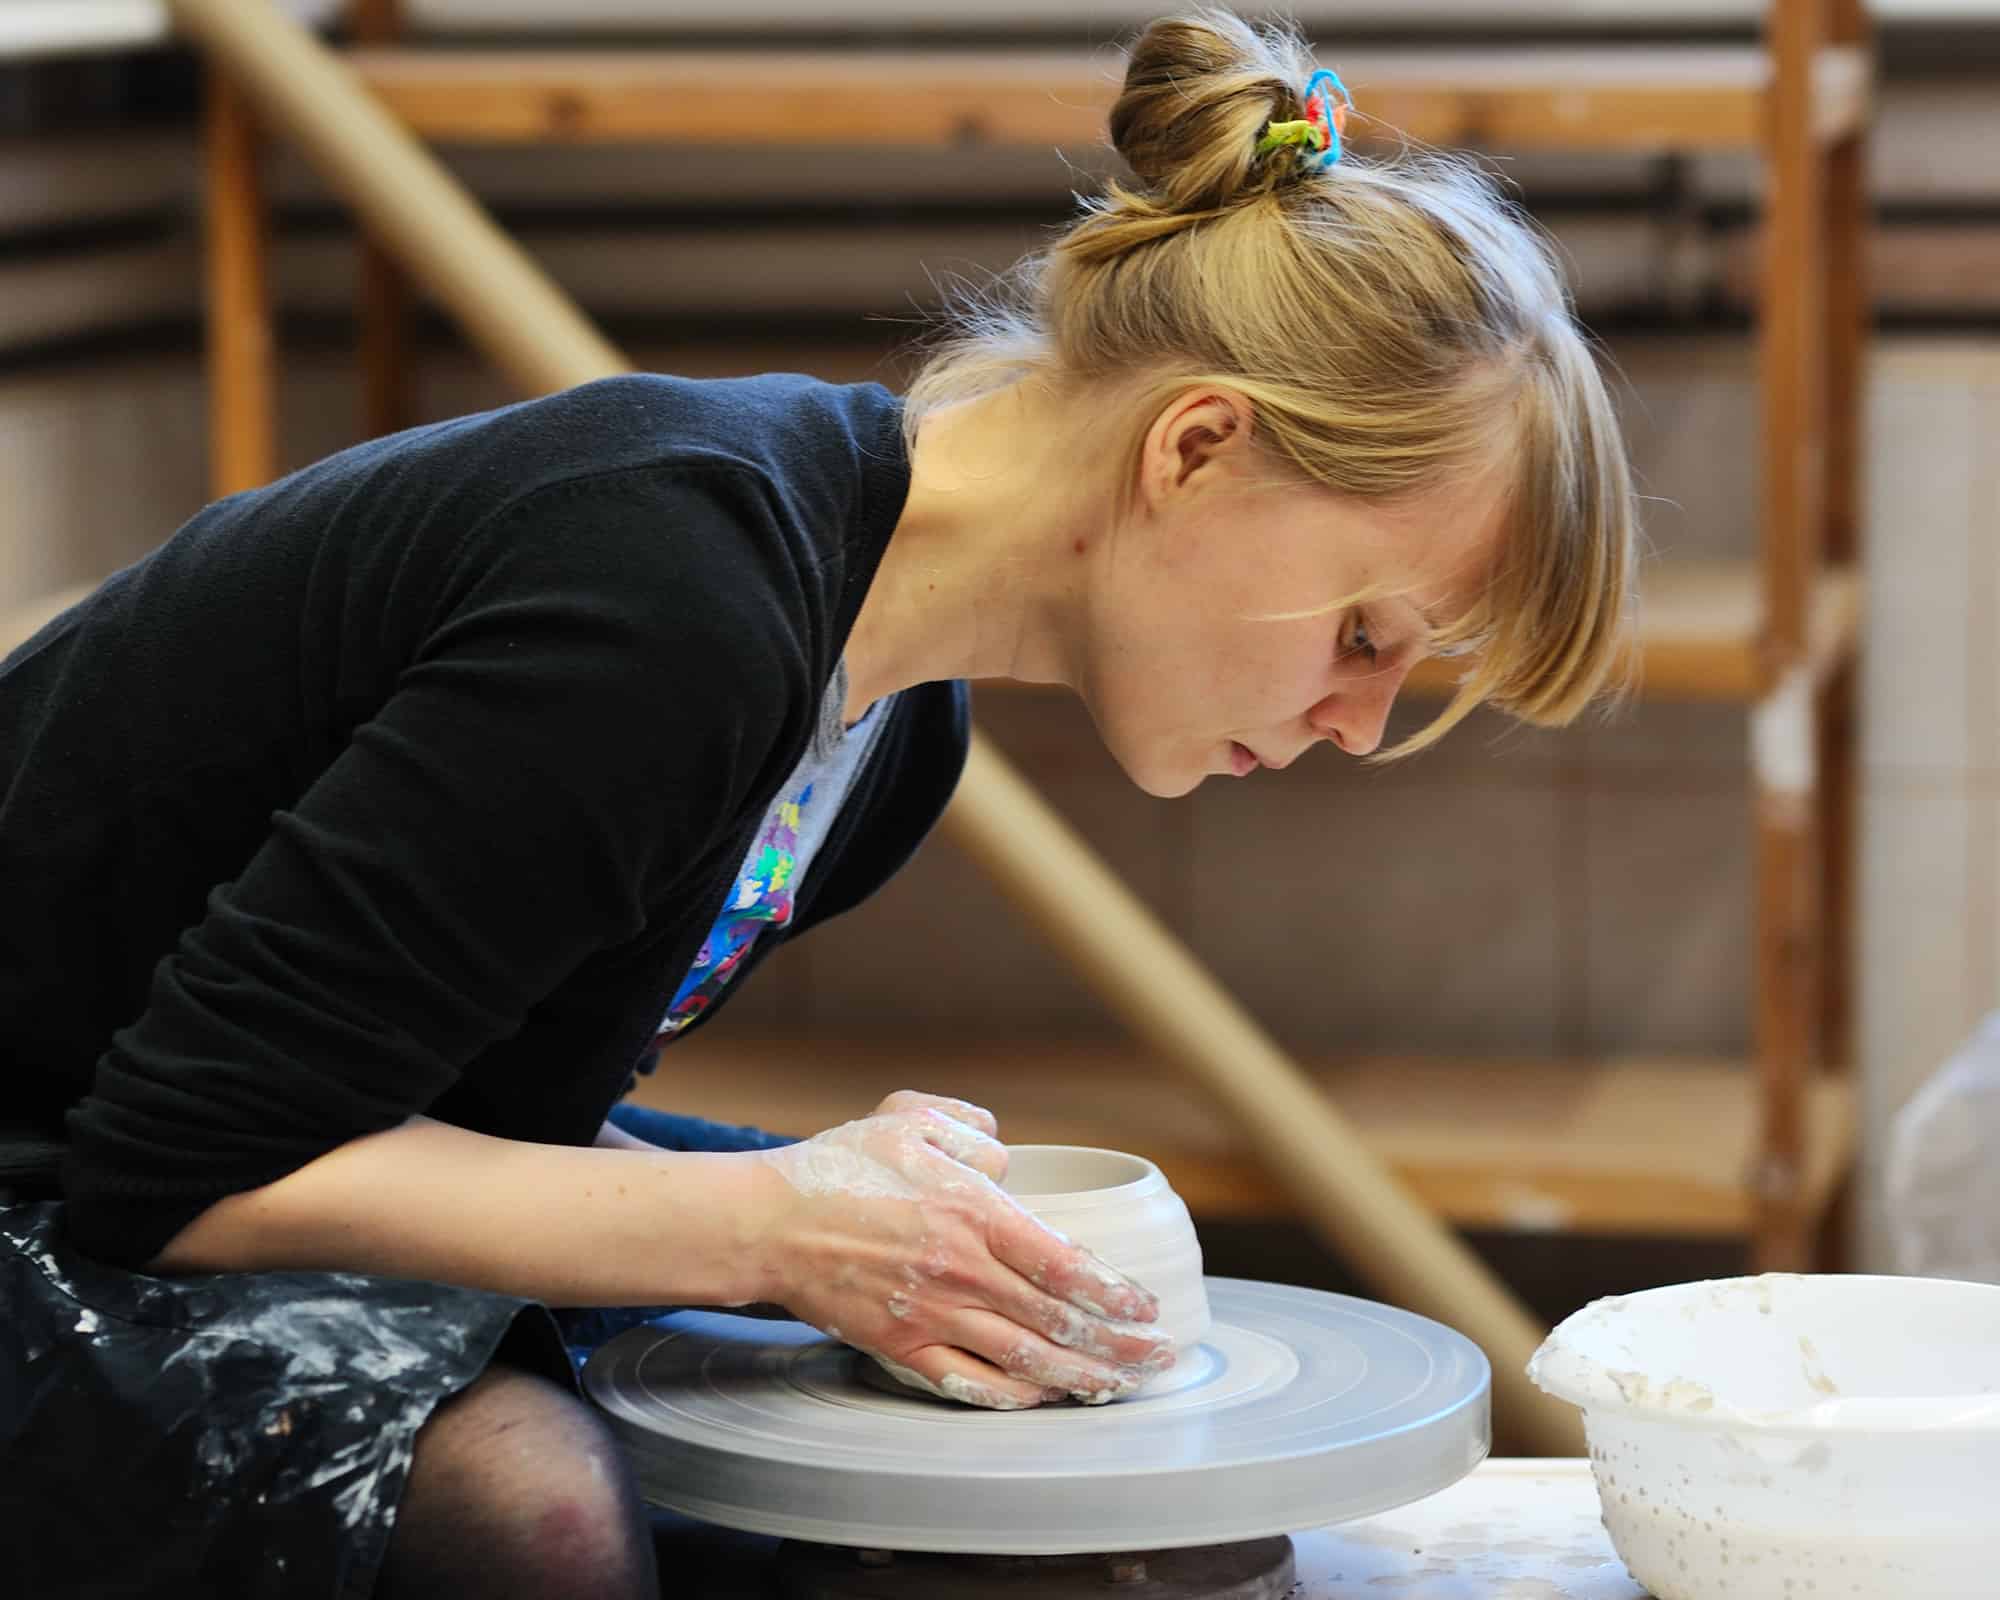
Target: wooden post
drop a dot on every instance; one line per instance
(1839, 802)
(1792, 325)
(384, 293)
(525, 322)
(1788, 945)
(1850, 324)
(1849, 22)
(1848, 309)
(242, 407)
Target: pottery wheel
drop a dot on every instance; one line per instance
(1298, 1409)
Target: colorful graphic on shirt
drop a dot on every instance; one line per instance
(762, 899)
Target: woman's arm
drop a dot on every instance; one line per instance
(601, 1226)
(891, 1228)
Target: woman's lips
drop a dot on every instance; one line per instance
(1242, 759)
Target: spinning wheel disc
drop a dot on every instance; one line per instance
(1299, 1409)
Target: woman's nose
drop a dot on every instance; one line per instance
(1355, 716)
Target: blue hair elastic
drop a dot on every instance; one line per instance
(1327, 113)
(1316, 135)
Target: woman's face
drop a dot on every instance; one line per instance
(1185, 671)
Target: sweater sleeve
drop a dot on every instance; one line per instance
(613, 666)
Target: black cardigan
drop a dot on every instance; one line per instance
(411, 782)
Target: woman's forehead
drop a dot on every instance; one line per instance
(1437, 551)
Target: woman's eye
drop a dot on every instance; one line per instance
(1358, 642)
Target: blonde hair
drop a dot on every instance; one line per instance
(1396, 324)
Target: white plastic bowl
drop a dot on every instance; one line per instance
(1793, 1437)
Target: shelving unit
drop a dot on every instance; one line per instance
(1636, 1147)
(1757, 1150)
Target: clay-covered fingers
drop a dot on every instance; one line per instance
(958, 1110)
(958, 1375)
(961, 1141)
(1136, 1348)
(1067, 1359)
(1065, 1270)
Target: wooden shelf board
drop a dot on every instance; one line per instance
(1701, 630)
(1639, 1147)
(1635, 98)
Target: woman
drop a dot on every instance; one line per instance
(360, 840)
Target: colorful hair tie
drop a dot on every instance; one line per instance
(1322, 126)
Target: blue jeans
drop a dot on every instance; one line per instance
(672, 1132)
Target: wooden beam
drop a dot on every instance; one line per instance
(242, 402)
(509, 305)
(384, 291)
(1683, 98)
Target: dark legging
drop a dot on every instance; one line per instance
(517, 1488)
(517, 1491)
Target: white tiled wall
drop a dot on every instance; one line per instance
(1512, 891)
(1930, 835)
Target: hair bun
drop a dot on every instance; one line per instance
(1199, 92)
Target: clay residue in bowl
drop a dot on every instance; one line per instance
(1675, 1394)
(1814, 1370)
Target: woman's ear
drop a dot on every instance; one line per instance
(1197, 435)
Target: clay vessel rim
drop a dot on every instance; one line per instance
(1135, 1177)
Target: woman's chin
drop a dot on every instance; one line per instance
(1166, 771)
(1167, 783)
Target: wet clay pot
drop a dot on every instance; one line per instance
(1121, 1209)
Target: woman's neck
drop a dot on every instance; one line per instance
(984, 573)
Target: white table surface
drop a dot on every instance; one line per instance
(1512, 1530)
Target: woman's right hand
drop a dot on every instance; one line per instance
(893, 1234)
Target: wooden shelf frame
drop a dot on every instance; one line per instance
(1703, 635)
(1616, 98)
(1612, 98)
(1779, 635)
(1634, 1147)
